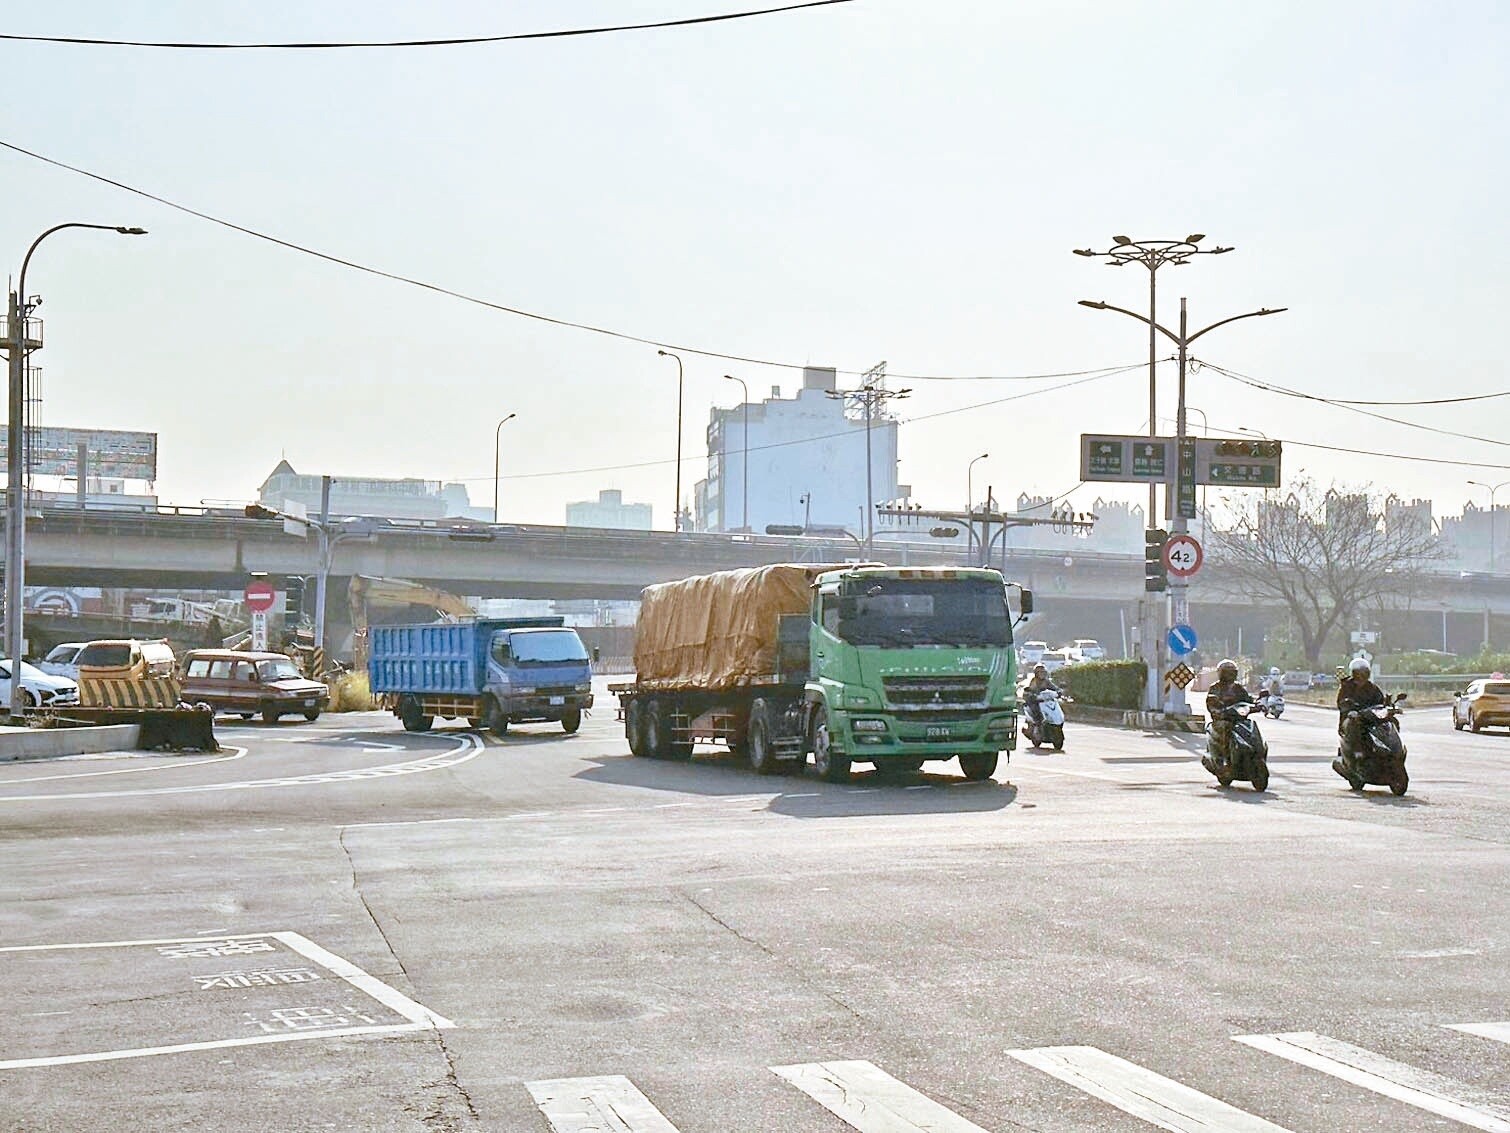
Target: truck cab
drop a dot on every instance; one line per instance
(540, 672)
(909, 665)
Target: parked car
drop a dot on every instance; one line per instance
(62, 660)
(38, 689)
(1031, 652)
(155, 658)
(1483, 704)
(1296, 680)
(252, 684)
(1086, 649)
(1054, 659)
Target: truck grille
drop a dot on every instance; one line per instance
(935, 693)
(555, 690)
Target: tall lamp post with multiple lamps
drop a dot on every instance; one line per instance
(18, 345)
(744, 460)
(1493, 490)
(676, 504)
(1180, 522)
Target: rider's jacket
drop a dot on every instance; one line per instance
(1224, 694)
(1039, 685)
(1355, 693)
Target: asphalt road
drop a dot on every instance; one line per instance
(342, 926)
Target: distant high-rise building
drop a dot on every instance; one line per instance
(609, 510)
(806, 461)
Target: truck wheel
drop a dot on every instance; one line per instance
(830, 765)
(312, 715)
(571, 720)
(634, 728)
(493, 718)
(977, 767)
(411, 714)
(758, 739)
(270, 715)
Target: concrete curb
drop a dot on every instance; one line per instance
(49, 743)
(1123, 718)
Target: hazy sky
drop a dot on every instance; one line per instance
(884, 179)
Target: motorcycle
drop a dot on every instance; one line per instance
(1246, 756)
(1381, 756)
(1272, 703)
(1049, 728)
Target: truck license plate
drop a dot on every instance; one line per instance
(938, 732)
(558, 700)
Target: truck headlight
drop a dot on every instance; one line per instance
(523, 690)
(1002, 724)
(869, 725)
(857, 700)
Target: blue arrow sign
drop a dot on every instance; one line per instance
(1182, 640)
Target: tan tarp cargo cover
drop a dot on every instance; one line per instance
(718, 631)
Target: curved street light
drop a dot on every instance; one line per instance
(15, 506)
(970, 497)
(497, 439)
(676, 504)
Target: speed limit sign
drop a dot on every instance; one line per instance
(1183, 555)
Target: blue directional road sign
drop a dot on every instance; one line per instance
(1182, 640)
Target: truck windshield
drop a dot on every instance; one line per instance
(547, 646)
(909, 611)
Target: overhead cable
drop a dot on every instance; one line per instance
(457, 41)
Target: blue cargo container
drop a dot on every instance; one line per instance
(492, 672)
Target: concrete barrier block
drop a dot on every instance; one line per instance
(49, 743)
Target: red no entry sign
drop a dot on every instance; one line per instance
(260, 597)
(1183, 555)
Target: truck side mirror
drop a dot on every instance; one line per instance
(597, 654)
(1025, 602)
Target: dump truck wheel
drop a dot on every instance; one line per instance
(758, 739)
(412, 714)
(571, 721)
(493, 718)
(830, 765)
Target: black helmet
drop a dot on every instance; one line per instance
(1227, 671)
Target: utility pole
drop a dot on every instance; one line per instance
(322, 580)
(872, 392)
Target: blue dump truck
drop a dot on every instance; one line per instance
(490, 672)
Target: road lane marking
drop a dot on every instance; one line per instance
(1498, 1031)
(401, 822)
(1133, 1089)
(608, 1104)
(389, 997)
(1423, 1089)
(240, 752)
(470, 748)
(869, 1099)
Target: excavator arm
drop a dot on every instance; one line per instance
(366, 591)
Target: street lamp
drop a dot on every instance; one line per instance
(1152, 254)
(497, 435)
(1182, 340)
(15, 518)
(970, 495)
(744, 459)
(1493, 490)
(676, 504)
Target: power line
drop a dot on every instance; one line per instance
(1271, 387)
(454, 42)
(805, 440)
(438, 289)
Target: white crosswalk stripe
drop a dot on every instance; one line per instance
(1142, 1093)
(1423, 1089)
(1500, 1031)
(871, 1100)
(609, 1104)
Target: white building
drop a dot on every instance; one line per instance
(392, 499)
(609, 510)
(806, 461)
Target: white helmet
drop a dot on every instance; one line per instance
(1274, 672)
(1359, 665)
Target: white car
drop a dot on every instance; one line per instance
(38, 689)
(1054, 660)
(1032, 651)
(63, 661)
(1087, 649)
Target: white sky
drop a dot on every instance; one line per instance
(885, 179)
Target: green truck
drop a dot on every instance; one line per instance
(892, 666)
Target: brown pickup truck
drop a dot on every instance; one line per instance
(250, 684)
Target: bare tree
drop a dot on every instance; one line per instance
(1323, 555)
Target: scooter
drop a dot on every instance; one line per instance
(1049, 729)
(1382, 758)
(1247, 755)
(1273, 704)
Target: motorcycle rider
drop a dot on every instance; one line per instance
(1223, 694)
(1354, 694)
(1040, 682)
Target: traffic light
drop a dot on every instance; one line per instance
(1266, 450)
(293, 599)
(1155, 573)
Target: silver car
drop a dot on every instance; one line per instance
(63, 660)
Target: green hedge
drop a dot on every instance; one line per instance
(1105, 684)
